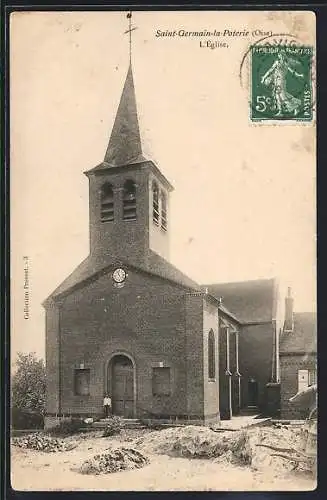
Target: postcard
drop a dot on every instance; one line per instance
(163, 250)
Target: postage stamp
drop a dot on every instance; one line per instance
(281, 83)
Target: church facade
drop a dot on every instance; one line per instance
(128, 323)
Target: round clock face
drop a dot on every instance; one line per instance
(119, 275)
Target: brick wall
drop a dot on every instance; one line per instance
(211, 386)
(289, 366)
(119, 237)
(235, 380)
(228, 384)
(52, 358)
(194, 355)
(224, 380)
(148, 319)
(127, 239)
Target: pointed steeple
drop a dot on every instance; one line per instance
(125, 145)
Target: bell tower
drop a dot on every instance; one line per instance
(128, 195)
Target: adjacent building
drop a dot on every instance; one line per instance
(298, 358)
(251, 338)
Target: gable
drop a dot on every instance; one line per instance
(91, 269)
(145, 307)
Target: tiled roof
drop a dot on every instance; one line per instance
(161, 267)
(225, 311)
(103, 168)
(92, 267)
(303, 339)
(250, 301)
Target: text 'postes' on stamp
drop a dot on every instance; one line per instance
(281, 83)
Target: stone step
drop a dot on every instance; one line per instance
(128, 423)
(251, 411)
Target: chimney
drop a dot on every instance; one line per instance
(289, 319)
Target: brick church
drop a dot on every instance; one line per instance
(128, 323)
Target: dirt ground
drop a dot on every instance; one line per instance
(39, 471)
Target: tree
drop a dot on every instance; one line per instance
(28, 384)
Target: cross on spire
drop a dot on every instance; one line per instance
(129, 31)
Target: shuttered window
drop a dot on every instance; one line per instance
(161, 381)
(303, 379)
(155, 203)
(107, 203)
(306, 378)
(82, 382)
(129, 200)
(163, 211)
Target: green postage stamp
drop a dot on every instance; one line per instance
(281, 83)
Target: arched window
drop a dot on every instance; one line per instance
(155, 203)
(107, 202)
(211, 355)
(163, 211)
(129, 200)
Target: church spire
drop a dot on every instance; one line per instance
(125, 145)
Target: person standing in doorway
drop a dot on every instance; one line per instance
(107, 405)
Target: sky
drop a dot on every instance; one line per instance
(244, 203)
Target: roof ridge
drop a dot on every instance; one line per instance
(220, 283)
(166, 262)
(251, 301)
(99, 268)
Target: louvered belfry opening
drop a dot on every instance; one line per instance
(129, 200)
(107, 203)
(155, 203)
(163, 212)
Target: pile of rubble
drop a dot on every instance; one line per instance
(42, 442)
(114, 460)
(273, 449)
(198, 442)
(251, 447)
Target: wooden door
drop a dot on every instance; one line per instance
(122, 386)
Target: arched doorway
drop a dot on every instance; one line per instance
(121, 385)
